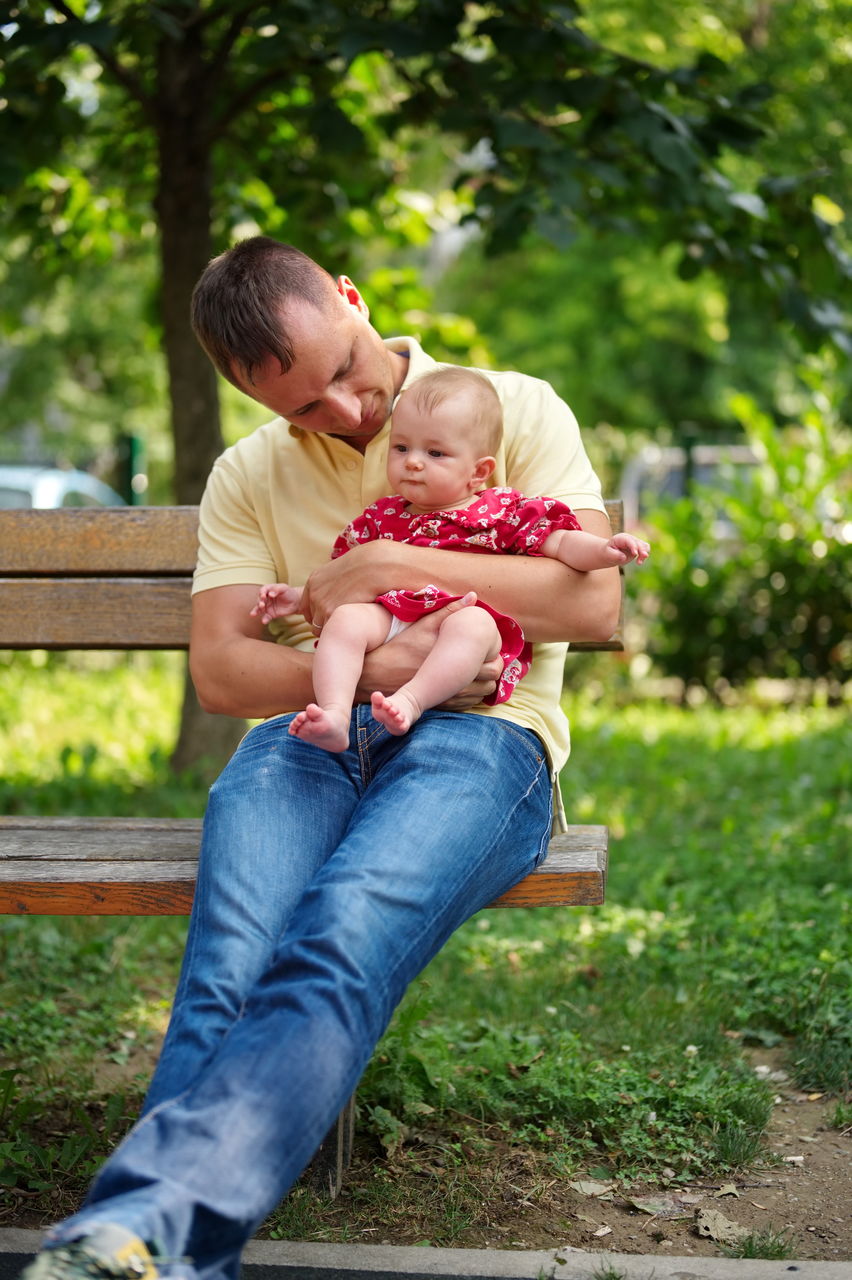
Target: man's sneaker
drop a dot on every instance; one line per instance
(109, 1252)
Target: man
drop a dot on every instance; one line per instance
(326, 881)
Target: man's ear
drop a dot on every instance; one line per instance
(483, 468)
(350, 294)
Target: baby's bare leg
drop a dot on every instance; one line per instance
(586, 551)
(351, 631)
(465, 640)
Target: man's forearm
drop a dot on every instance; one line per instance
(250, 678)
(548, 599)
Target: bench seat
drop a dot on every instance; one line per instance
(146, 866)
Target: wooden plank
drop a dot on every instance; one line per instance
(94, 613)
(572, 874)
(125, 866)
(119, 613)
(117, 540)
(615, 511)
(111, 540)
(97, 898)
(122, 840)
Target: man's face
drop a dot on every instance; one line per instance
(344, 378)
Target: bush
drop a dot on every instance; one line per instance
(754, 581)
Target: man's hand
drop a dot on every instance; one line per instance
(392, 664)
(354, 578)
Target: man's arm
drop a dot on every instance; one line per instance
(237, 672)
(548, 599)
(235, 669)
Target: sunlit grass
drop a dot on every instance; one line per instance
(614, 1038)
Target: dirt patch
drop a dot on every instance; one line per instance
(511, 1198)
(807, 1198)
(497, 1194)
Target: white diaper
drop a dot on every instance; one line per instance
(396, 626)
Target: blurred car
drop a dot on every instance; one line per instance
(657, 474)
(33, 486)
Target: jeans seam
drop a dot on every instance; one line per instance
(362, 739)
(521, 736)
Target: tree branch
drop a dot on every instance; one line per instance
(125, 78)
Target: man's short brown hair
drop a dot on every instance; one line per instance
(237, 305)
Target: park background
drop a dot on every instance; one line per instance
(644, 203)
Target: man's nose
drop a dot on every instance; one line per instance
(345, 406)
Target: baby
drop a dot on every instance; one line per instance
(445, 431)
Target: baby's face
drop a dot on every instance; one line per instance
(431, 463)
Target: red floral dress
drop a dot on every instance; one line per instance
(496, 522)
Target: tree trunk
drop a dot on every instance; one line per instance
(183, 205)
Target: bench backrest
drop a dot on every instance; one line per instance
(110, 578)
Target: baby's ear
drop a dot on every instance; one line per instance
(483, 468)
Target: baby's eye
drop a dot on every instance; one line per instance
(398, 448)
(436, 453)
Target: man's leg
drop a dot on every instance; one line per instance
(276, 813)
(424, 850)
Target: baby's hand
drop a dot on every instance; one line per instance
(276, 600)
(631, 547)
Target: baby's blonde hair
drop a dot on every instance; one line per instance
(482, 415)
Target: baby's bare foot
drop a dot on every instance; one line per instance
(326, 729)
(397, 714)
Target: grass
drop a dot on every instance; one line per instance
(769, 1244)
(613, 1041)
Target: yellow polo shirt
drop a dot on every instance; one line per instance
(276, 501)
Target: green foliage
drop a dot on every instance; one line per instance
(755, 581)
(367, 137)
(636, 1111)
(115, 761)
(768, 1243)
(615, 1038)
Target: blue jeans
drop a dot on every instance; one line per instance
(326, 883)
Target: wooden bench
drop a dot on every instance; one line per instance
(120, 579)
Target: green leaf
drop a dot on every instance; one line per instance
(749, 203)
(673, 154)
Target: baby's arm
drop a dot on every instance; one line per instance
(277, 600)
(585, 551)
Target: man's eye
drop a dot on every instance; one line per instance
(305, 410)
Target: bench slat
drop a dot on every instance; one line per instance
(119, 866)
(94, 613)
(115, 541)
(117, 613)
(111, 540)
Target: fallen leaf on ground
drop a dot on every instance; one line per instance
(714, 1225)
(726, 1189)
(596, 1189)
(663, 1204)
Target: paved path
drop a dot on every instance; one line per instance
(289, 1260)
